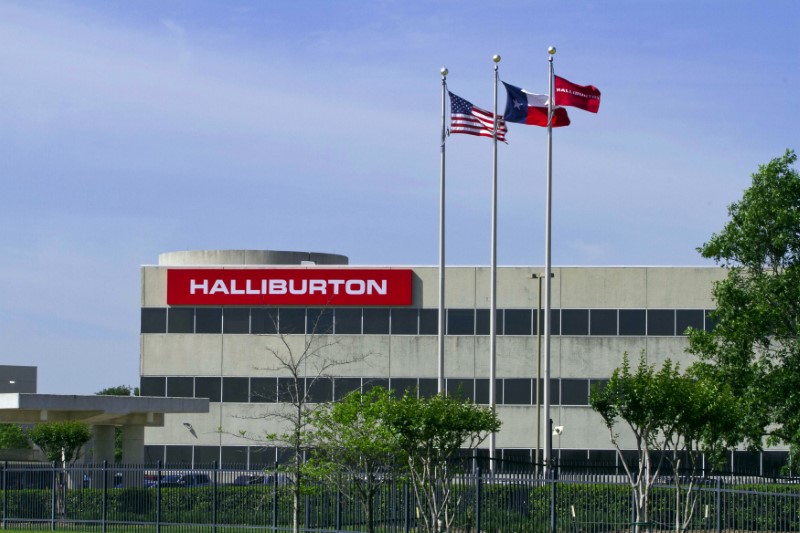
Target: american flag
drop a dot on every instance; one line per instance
(466, 118)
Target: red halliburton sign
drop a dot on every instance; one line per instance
(289, 286)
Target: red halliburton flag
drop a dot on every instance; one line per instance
(586, 97)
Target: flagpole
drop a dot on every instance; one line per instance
(440, 337)
(548, 437)
(493, 283)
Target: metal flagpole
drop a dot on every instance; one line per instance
(440, 338)
(548, 437)
(493, 283)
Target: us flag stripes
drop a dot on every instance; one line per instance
(471, 120)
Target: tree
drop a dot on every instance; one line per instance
(431, 432)
(119, 390)
(354, 447)
(754, 346)
(306, 360)
(675, 420)
(12, 437)
(60, 441)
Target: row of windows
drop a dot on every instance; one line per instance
(510, 391)
(767, 463)
(414, 321)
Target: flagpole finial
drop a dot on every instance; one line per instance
(551, 50)
(496, 58)
(444, 71)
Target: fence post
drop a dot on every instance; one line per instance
(718, 513)
(54, 485)
(5, 492)
(337, 516)
(275, 497)
(477, 499)
(552, 479)
(105, 495)
(158, 496)
(214, 497)
(406, 508)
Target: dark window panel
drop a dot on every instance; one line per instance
(235, 390)
(574, 391)
(154, 320)
(402, 385)
(234, 457)
(603, 457)
(288, 390)
(555, 396)
(344, 386)
(482, 391)
(710, 322)
(376, 321)
(573, 457)
(746, 462)
(207, 387)
(463, 389)
(205, 456)
(180, 387)
(347, 321)
(598, 384)
(153, 454)
(153, 386)
(265, 321)
(555, 322)
(460, 322)
(517, 391)
(428, 387)
(482, 321)
(284, 455)
(292, 320)
(208, 320)
(262, 457)
(428, 321)
(319, 390)
(517, 456)
(773, 461)
(603, 322)
(404, 321)
(263, 390)
(369, 383)
(518, 322)
(660, 322)
(632, 322)
(180, 320)
(319, 321)
(574, 321)
(236, 320)
(178, 456)
(688, 318)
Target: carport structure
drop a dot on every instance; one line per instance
(103, 414)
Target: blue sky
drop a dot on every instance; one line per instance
(132, 128)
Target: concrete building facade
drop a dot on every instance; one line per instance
(207, 336)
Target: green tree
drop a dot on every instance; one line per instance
(353, 447)
(754, 346)
(431, 431)
(119, 390)
(12, 437)
(675, 419)
(60, 441)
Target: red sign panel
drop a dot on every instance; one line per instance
(289, 286)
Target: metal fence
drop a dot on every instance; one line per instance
(509, 498)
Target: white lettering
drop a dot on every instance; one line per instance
(248, 288)
(317, 285)
(293, 289)
(234, 290)
(336, 283)
(374, 288)
(355, 286)
(219, 286)
(277, 286)
(194, 286)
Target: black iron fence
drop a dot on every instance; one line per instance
(509, 498)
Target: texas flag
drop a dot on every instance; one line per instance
(531, 108)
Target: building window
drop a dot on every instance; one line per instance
(603, 322)
(347, 321)
(404, 321)
(428, 387)
(460, 322)
(265, 321)
(574, 321)
(154, 320)
(180, 387)
(235, 390)
(344, 386)
(482, 322)
(688, 318)
(319, 321)
(153, 386)
(632, 322)
(319, 389)
(376, 321)
(428, 321)
(263, 390)
(236, 320)
(660, 322)
(517, 391)
(207, 387)
(180, 320)
(555, 321)
(208, 320)
(574, 391)
(518, 322)
(463, 389)
(292, 320)
(401, 386)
